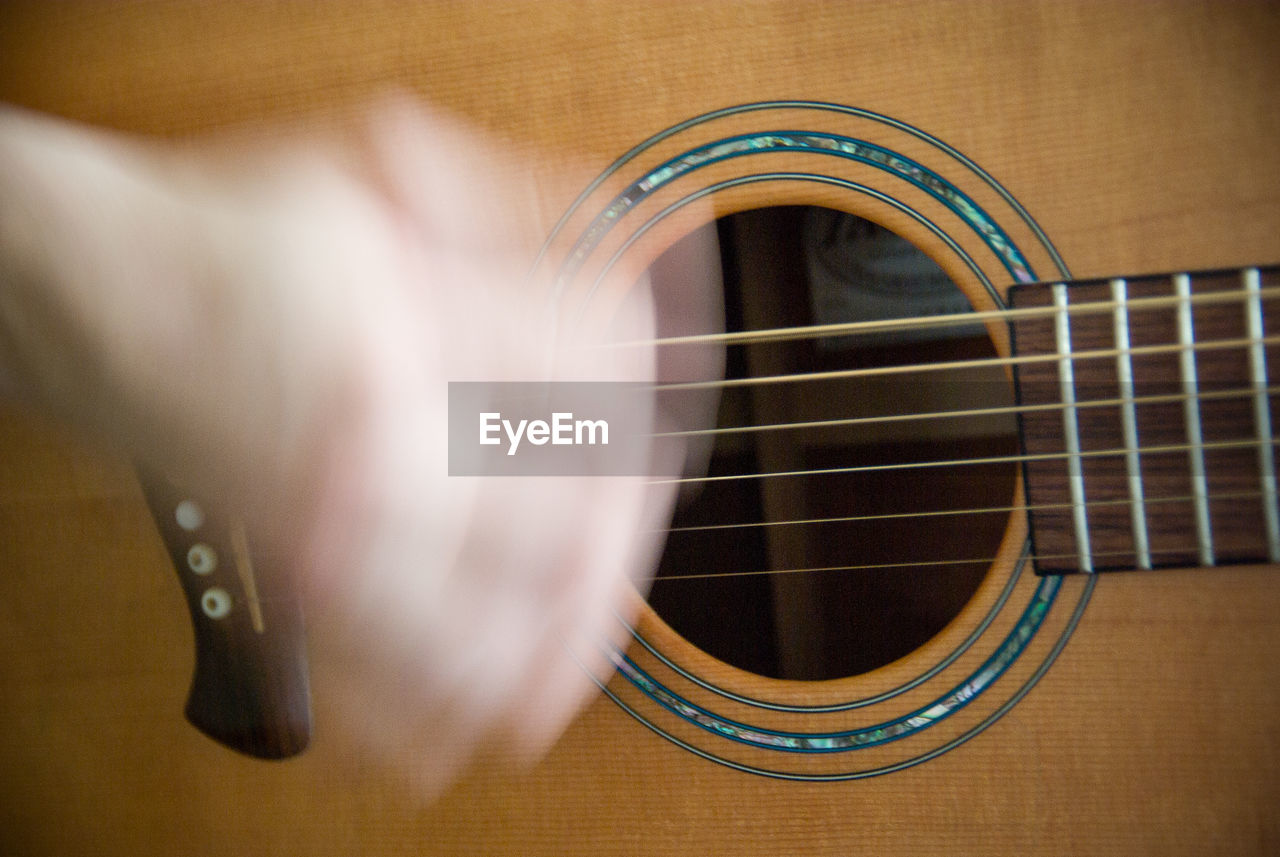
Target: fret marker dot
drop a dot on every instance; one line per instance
(215, 603)
(202, 559)
(189, 515)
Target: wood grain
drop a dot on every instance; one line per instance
(1141, 137)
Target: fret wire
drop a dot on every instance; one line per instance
(956, 462)
(943, 513)
(706, 575)
(1129, 424)
(954, 365)
(1191, 418)
(1070, 427)
(1155, 399)
(1262, 413)
(896, 325)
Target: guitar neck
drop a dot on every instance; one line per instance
(1147, 420)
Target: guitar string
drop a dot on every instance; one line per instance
(955, 365)
(929, 323)
(1252, 443)
(1175, 552)
(1003, 410)
(900, 325)
(943, 513)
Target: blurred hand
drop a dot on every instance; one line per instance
(273, 321)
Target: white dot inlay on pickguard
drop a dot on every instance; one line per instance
(215, 602)
(189, 515)
(202, 559)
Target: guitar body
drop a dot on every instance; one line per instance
(1138, 718)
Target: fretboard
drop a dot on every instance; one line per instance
(1148, 420)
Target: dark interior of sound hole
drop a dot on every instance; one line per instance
(896, 571)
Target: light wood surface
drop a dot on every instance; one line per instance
(1141, 137)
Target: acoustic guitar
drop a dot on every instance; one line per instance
(1034, 610)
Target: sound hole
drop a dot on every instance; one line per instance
(824, 575)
